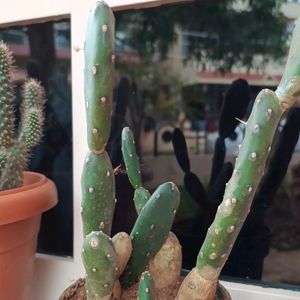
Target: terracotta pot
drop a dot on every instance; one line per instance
(20, 215)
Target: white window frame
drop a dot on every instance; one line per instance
(54, 274)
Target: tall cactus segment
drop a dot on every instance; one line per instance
(141, 195)
(15, 144)
(98, 193)
(97, 180)
(98, 185)
(151, 230)
(99, 259)
(99, 75)
(267, 111)
(146, 287)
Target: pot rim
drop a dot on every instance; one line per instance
(37, 195)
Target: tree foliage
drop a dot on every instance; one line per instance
(221, 33)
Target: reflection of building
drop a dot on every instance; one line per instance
(206, 86)
(17, 40)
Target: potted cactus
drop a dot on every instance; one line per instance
(146, 264)
(23, 195)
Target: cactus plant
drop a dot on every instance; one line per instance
(98, 185)
(16, 144)
(103, 257)
(170, 251)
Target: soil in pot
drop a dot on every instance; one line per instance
(77, 292)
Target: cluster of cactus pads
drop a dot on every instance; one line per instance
(151, 252)
(16, 143)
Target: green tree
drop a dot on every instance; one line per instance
(223, 33)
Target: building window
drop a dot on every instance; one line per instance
(42, 51)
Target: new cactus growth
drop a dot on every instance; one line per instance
(146, 287)
(16, 144)
(141, 195)
(99, 259)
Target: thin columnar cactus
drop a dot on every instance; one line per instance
(266, 113)
(16, 144)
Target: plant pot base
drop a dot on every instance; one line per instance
(20, 216)
(77, 292)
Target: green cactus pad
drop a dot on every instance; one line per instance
(146, 287)
(130, 158)
(241, 188)
(140, 198)
(98, 193)
(151, 230)
(7, 131)
(99, 259)
(99, 74)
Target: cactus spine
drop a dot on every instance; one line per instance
(15, 145)
(97, 180)
(267, 111)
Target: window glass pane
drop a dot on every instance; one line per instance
(42, 51)
(179, 63)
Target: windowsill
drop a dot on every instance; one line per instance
(57, 267)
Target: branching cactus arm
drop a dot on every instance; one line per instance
(141, 195)
(151, 230)
(266, 113)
